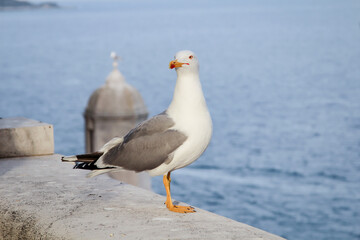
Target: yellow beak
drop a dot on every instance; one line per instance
(176, 64)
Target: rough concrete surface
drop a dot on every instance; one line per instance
(25, 137)
(43, 198)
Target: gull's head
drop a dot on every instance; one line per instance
(185, 61)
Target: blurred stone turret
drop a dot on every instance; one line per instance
(113, 110)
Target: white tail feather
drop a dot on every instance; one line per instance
(94, 173)
(69, 158)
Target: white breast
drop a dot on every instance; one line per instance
(191, 116)
(199, 131)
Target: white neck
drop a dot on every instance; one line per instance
(188, 96)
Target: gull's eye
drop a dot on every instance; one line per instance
(191, 57)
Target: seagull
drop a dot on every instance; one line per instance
(168, 141)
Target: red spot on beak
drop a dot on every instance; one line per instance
(176, 64)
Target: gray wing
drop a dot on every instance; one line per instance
(147, 146)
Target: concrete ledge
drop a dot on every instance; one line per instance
(42, 198)
(25, 137)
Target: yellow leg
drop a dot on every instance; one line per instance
(169, 204)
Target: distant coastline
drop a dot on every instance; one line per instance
(14, 4)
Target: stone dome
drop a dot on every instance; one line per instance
(115, 99)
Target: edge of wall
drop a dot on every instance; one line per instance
(43, 198)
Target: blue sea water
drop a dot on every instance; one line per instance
(281, 78)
